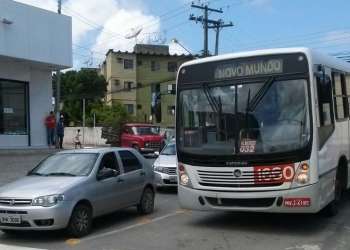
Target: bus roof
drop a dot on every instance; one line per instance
(314, 56)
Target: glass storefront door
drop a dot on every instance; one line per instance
(13, 108)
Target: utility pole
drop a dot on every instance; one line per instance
(58, 75)
(83, 121)
(218, 24)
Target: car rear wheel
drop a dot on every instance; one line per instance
(146, 205)
(81, 221)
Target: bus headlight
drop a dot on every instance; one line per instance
(302, 176)
(184, 178)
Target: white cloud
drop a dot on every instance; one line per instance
(124, 22)
(44, 4)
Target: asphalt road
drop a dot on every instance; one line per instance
(170, 227)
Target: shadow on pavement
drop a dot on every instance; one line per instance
(287, 224)
(167, 190)
(115, 219)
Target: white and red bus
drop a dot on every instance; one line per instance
(263, 131)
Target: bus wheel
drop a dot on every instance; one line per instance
(332, 208)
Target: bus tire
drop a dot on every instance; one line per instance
(332, 208)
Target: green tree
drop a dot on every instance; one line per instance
(109, 116)
(78, 85)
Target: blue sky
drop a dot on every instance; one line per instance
(274, 23)
(99, 25)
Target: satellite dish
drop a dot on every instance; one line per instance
(134, 33)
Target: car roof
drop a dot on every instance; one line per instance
(93, 150)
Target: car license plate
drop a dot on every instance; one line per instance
(173, 179)
(297, 202)
(10, 219)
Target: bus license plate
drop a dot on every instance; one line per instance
(10, 219)
(297, 202)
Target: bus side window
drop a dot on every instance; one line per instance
(347, 87)
(325, 107)
(339, 92)
(345, 94)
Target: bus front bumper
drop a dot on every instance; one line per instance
(298, 200)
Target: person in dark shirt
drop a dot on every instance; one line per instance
(60, 132)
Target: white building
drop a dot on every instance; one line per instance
(33, 43)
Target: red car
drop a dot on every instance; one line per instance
(143, 137)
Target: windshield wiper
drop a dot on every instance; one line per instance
(38, 174)
(211, 99)
(216, 106)
(260, 94)
(60, 174)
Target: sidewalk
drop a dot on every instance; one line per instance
(35, 151)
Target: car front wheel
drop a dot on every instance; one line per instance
(146, 205)
(81, 221)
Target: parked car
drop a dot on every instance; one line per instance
(165, 167)
(144, 138)
(70, 188)
(168, 135)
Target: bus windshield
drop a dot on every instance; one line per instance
(263, 117)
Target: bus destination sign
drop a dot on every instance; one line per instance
(244, 69)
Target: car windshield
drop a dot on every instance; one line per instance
(145, 130)
(251, 118)
(169, 149)
(68, 164)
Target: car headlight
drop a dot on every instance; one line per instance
(184, 178)
(302, 175)
(146, 144)
(47, 201)
(158, 168)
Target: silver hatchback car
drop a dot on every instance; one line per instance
(70, 188)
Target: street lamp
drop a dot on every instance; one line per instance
(174, 40)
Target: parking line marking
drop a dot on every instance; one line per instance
(132, 226)
(72, 242)
(8, 247)
(144, 220)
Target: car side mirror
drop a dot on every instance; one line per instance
(106, 173)
(156, 153)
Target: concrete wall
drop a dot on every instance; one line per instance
(92, 136)
(40, 92)
(32, 35)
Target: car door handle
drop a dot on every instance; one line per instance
(143, 173)
(120, 180)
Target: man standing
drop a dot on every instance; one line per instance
(60, 132)
(50, 123)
